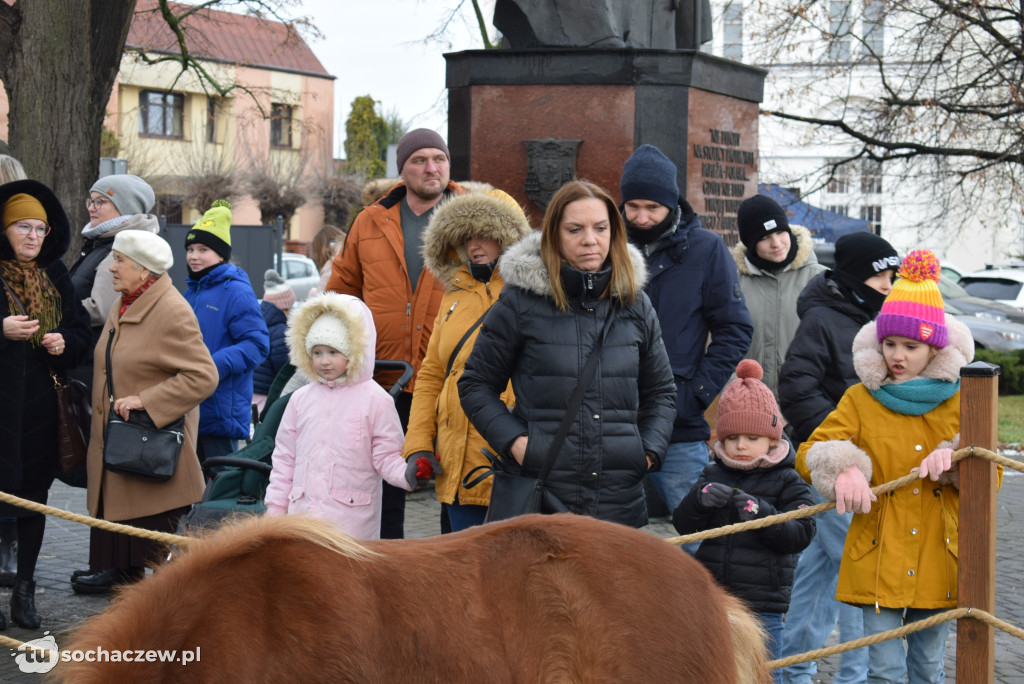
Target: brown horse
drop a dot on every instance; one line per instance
(559, 598)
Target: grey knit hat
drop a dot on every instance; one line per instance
(417, 139)
(130, 194)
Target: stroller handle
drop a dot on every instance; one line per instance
(239, 462)
(403, 380)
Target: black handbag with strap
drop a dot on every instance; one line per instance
(513, 493)
(137, 446)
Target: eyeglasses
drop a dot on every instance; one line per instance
(40, 231)
(99, 203)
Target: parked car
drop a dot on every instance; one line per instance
(299, 272)
(1005, 285)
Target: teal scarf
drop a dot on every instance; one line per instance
(915, 397)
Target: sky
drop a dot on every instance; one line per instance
(380, 49)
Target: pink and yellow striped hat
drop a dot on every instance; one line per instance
(914, 306)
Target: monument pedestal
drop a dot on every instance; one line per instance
(515, 118)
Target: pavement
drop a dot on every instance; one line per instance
(66, 548)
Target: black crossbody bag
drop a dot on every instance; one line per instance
(513, 493)
(137, 446)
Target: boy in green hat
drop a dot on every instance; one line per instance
(232, 326)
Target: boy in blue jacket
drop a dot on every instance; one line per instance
(233, 330)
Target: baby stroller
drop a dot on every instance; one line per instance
(239, 488)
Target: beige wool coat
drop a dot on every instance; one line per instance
(158, 354)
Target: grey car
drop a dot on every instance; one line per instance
(300, 274)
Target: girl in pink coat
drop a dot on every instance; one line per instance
(340, 434)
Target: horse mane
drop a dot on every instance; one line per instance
(244, 534)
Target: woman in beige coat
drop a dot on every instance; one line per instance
(159, 363)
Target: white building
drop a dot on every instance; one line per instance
(911, 206)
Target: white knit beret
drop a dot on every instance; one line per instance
(329, 330)
(148, 250)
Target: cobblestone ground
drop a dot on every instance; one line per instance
(66, 548)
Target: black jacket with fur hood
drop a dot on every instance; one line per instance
(627, 410)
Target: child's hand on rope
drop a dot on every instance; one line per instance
(936, 463)
(853, 493)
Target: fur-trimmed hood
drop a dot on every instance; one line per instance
(357, 320)
(477, 212)
(804, 253)
(869, 364)
(521, 265)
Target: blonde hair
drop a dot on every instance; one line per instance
(11, 169)
(623, 281)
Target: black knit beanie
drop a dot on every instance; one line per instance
(863, 255)
(758, 216)
(648, 174)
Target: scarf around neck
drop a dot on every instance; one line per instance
(915, 397)
(127, 299)
(91, 232)
(35, 292)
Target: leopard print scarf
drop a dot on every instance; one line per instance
(40, 299)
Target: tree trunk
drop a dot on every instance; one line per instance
(58, 62)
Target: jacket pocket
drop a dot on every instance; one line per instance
(298, 483)
(869, 537)
(351, 497)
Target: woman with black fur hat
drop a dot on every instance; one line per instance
(45, 334)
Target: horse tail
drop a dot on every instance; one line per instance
(749, 643)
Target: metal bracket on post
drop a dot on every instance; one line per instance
(976, 553)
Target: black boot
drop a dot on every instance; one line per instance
(23, 604)
(104, 581)
(3, 621)
(8, 551)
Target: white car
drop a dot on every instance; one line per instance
(1004, 285)
(300, 274)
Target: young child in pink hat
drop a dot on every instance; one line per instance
(751, 476)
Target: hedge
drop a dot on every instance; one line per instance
(1011, 376)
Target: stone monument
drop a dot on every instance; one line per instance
(529, 117)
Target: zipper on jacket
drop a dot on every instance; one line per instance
(408, 308)
(451, 310)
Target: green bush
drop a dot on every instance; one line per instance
(1011, 376)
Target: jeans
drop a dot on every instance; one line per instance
(813, 609)
(920, 661)
(684, 462)
(772, 623)
(462, 516)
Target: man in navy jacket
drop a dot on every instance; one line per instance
(695, 290)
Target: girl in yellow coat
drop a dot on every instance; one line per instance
(900, 558)
(461, 246)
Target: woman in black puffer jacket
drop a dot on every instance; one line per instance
(560, 286)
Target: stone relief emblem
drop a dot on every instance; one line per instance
(550, 164)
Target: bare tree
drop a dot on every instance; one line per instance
(932, 89)
(58, 62)
(277, 185)
(340, 196)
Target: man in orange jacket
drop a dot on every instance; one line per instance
(382, 265)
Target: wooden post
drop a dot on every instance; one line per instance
(975, 640)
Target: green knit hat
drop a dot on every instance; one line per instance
(214, 229)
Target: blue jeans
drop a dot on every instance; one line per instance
(464, 516)
(772, 623)
(813, 609)
(684, 462)
(921, 659)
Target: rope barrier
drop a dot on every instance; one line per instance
(954, 614)
(949, 615)
(829, 505)
(93, 522)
